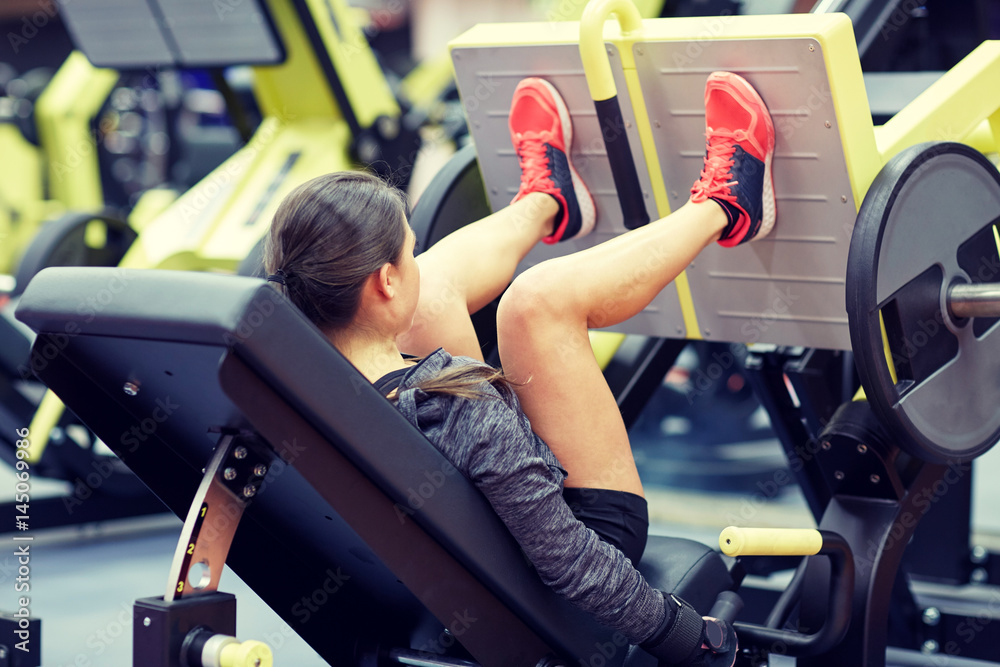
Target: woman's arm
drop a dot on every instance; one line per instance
(568, 556)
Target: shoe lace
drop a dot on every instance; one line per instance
(530, 149)
(716, 177)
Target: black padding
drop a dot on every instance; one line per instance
(688, 569)
(361, 502)
(134, 34)
(63, 242)
(455, 197)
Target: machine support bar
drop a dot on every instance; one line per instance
(979, 300)
(214, 507)
(601, 83)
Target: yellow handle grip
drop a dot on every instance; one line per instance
(736, 541)
(600, 80)
(247, 654)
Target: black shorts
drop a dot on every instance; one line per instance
(619, 518)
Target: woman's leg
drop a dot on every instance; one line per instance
(473, 265)
(544, 319)
(470, 267)
(545, 315)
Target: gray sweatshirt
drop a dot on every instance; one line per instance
(491, 442)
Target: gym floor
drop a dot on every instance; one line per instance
(84, 580)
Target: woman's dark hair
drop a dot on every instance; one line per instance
(327, 237)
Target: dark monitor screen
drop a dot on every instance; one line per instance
(135, 34)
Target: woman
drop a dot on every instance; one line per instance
(544, 440)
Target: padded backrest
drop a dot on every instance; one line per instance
(214, 354)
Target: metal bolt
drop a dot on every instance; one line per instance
(3, 652)
(260, 470)
(929, 646)
(931, 616)
(147, 621)
(980, 575)
(812, 48)
(843, 199)
(240, 452)
(862, 449)
(656, 123)
(249, 491)
(708, 332)
(828, 124)
(826, 444)
(680, 329)
(628, 123)
(229, 474)
(875, 479)
(838, 475)
(639, 51)
(130, 388)
(979, 554)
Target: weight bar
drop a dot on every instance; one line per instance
(923, 303)
(970, 300)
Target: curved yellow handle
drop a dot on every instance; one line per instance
(600, 80)
(736, 541)
(247, 654)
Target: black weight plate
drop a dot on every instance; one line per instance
(926, 223)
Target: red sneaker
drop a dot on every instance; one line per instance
(541, 132)
(737, 171)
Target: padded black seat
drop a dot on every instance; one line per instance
(362, 536)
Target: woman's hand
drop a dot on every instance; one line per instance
(687, 639)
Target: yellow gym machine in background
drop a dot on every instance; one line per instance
(325, 104)
(38, 183)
